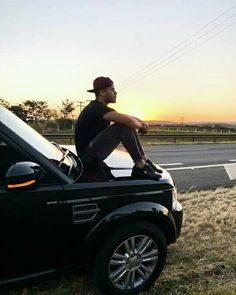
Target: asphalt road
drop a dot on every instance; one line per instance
(197, 166)
(193, 166)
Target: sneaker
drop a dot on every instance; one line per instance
(154, 167)
(146, 172)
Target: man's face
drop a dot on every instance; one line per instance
(109, 94)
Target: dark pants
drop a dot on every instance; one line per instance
(106, 141)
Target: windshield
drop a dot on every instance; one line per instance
(32, 137)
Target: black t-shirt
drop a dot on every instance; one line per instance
(89, 124)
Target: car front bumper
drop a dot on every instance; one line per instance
(178, 217)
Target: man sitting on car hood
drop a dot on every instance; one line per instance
(96, 138)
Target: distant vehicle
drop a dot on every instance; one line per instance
(54, 215)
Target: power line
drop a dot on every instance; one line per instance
(179, 50)
(171, 58)
(178, 57)
(167, 55)
(182, 42)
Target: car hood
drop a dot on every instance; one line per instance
(121, 164)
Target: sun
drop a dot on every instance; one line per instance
(141, 111)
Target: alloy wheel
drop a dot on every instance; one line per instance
(133, 262)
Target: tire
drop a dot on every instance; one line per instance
(130, 260)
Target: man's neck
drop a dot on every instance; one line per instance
(101, 99)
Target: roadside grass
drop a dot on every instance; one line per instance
(202, 262)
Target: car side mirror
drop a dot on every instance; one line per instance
(22, 175)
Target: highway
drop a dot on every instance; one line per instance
(192, 166)
(197, 166)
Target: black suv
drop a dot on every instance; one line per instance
(51, 215)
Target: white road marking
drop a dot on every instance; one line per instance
(171, 164)
(229, 168)
(231, 171)
(198, 167)
(233, 160)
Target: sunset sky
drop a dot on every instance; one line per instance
(168, 59)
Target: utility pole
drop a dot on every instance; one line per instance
(81, 105)
(89, 100)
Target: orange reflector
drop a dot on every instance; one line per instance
(21, 184)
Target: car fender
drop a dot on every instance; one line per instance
(146, 211)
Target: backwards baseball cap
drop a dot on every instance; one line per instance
(100, 83)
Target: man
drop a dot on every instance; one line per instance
(95, 138)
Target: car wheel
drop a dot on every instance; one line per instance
(130, 260)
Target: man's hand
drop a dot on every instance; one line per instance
(144, 129)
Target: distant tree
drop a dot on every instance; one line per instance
(37, 111)
(19, 111)
(54, 114)
(67, 108)
(4, 103)
(54, 120)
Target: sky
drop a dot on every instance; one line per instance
(172, 60)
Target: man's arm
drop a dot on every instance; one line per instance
(145, 127)
(127, 120)
(141, 121)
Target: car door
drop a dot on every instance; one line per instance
(31, 221)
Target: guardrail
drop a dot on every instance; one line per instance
(175, 138)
